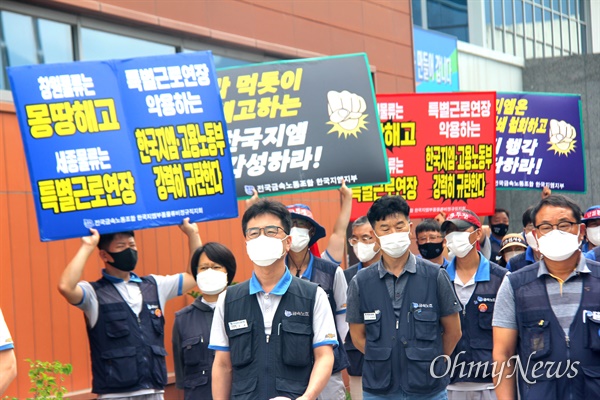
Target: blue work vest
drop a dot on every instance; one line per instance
(279, 364)
(399, 352)
(193, 326)
(519, 261)
(542, 342)
(476, 322)
(355, 357)
(323, 274)
(127, 351)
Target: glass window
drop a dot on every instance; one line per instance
(19, 39)
(449, 16)
(497, 13)
(529, 20)
(417, 13)
(56, 41)
(99, 45)
(508, 13)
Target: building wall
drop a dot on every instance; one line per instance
(42, 324)
(481, 69)
(575, 74)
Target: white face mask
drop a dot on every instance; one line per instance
(593, 235)
(365, 252)
(510, 254)
(558, 245)
(264, 250)
(531, 242)
(458, 243)
(211, 282)
(395, 244)
(300, 238)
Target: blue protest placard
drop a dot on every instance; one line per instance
(124, 144)
(539, 142)
(303, 125)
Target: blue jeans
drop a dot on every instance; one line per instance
(402, 395)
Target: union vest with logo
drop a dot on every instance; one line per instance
(476, 321)
(323, 274)
(399, 352)
(543, 344)
(279, 364)
(193, 324)
(127, 351)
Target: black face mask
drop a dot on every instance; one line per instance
(124, 260)
(430, 251)
(499, 229)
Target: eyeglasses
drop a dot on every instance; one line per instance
(366, 240)
(216, 267)
(269, 231)
(564, 226)
(430, 238)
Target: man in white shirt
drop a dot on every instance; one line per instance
(124, 315)
(274, 334)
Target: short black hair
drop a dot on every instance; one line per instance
(360, 221)
(264, 206)
(526, 219)
(557, 200)
(107, 238)
(498, 211)
(428, 225)
(218, 254)
(386, 206)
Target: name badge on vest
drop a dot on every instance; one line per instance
(593, 315)
(370, 316)
(242, 323)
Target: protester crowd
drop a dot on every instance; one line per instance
(478, 313)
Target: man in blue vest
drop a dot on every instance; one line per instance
(124, 315)
(305, 232)
(274, 334)
(548, 314)
(368, 253)
(591, 219)
(531, 254)
(476, 281)
(430, 242)
(398, 309)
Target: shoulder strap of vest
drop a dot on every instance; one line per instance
(324, 265)
(235, 292)
(497, 270)
(594, 266)
(524, 275)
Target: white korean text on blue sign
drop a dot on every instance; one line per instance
(124, 144)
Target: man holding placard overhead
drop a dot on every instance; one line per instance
(124, 315)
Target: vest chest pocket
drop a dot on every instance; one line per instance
(116, 324)
(296, 340)
(372, 326)
(537, 339)
(240, 345)
(592, 321)
(120, 366)
(485, 319)
(426, 324)
(158, 323)
(193, 351)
